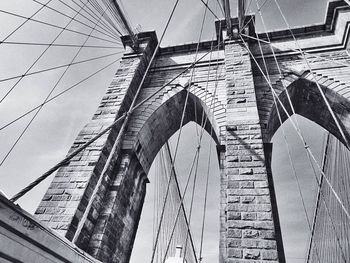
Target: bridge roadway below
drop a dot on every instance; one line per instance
(24, 239)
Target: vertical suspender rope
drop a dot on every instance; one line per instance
(181, 204)
(194, 160)
(286, 142)
(305, 145)
(308, 152)
(315, 79)
(327, 207)
(180, 131)
(197, 49)
(192, 199)
(298, 132)
(209, 159)
(203, 125)
(326, 145)
(178, 192)
(276, 62)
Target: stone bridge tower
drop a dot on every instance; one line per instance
(244, 120)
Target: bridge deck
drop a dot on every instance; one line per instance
(24, 239)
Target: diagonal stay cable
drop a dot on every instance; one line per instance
(220, 6)
(314, 78)
(38, 58)
(198, 136)
(60, 66)
(209, 9)
(24, 22)
(298, 132)
(181, 204)
(58, 45)
(338, 62)
(56, 96)
(178, 192)
(200, 256)
(78, 150)
(325, 148)
(121, 132)
(192, 78)
(203, 124)
(251, 17)
(92, 13)
(329, 213)
(106, 23)
(76, 20)
(285, 140)
(192, 199)
(115, 13)
(54, 26)
(176, 147)
(74, 153)
(97, 6)
(103, 27)
(48, 96)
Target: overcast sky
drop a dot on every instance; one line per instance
(53, 131)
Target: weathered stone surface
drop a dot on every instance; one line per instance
(243, 119)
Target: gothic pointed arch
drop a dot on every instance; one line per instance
(308, 102)
(157, 120)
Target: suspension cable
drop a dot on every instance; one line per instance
(70, 156)
(121, 132)
(76, 20)
(99, 9)
(59, 94)
(117, 45)
(298, 51)
(178, 191)
(192, 78)
(209, 9)
(182, 196)
(297, 130)
(280, 118)
(318, 197)
(306, 147)
(209, 158)
(48, 95)
(251, 18)
(74, 153)
(197, 151)
(24, 22)
(63, 29)
(178, 139)
(315, 79)
(60, 66)
(103, 26)
(55, 26)
(283, 132)
(323, 198)
(93, 15)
